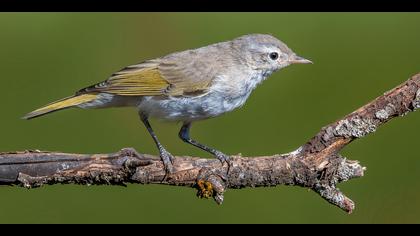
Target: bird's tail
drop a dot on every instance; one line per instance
(61, 104)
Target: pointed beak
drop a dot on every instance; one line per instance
(299, 60)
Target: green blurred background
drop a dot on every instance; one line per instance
(357, 57)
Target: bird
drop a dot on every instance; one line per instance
(187, 86)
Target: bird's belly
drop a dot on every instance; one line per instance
(190, 108)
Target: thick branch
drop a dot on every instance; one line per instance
(316, 165)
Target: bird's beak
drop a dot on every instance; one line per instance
(299, 60)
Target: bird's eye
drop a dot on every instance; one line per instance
(274, 56)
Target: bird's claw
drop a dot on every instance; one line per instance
(223, 158)
(167, 160)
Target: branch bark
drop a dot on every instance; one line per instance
(316, 165)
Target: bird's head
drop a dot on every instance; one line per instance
(265, 52)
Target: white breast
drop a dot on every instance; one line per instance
(224, 96)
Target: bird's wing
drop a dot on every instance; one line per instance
(141, 79)
(153, 78)
(187, 77)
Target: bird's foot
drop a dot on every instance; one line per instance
(167, 160)
(223, 158)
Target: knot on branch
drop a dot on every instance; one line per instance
(211, 183)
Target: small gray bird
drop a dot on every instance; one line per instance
(187, 86)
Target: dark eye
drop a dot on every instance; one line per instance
(274, 56)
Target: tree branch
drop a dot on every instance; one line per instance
(316, 165)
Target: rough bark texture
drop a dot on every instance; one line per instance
(316, 165)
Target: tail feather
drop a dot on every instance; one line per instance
(61, 104)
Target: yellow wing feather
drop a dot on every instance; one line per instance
(154, 78)
(132, 81)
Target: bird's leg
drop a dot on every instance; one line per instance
(184, 134)
(165, 156)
